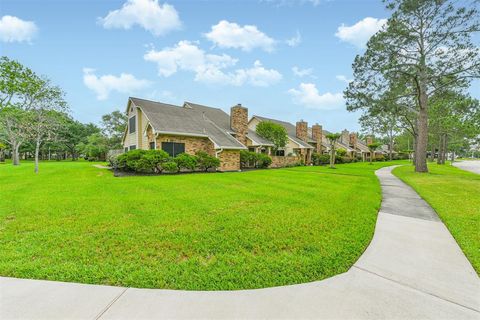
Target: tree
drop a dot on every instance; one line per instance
(3, 146)
(372, 147)
(273, 132)
(43, 103)
(73, 134)
(12, 81)
(96, 147)
(13, 129)
(332, 138)
(113, 126)
(425, 46)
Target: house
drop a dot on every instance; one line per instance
(298, 145)
(185, 129)
(194, 127)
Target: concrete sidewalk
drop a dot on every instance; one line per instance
(413, 269)
(469, 165)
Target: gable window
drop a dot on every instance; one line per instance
(280, 153)
(152, 145)
(133, 147)
(173, 148)
(131, 124)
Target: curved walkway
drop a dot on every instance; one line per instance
(469, 165)
(412, 269)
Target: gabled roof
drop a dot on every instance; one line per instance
(291, 131)
(217, 115)
(258, 140)
(339, 143)
(170, 119)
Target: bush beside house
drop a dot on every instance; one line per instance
(159, 161)
(249, 159)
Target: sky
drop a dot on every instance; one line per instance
(284, 59)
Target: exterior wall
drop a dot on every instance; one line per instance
(301, 130)
(130, 138)
(229, 160)
(369, 140)
(353, 140)
(239, 122)
(345, 137)
(279, 162)
(192, 144)
(142, 122)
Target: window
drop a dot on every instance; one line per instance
(126, 149)
(131, 124)
(152, 145)
(173, 148)
(133, 147)
(251, 149)
(280, 153)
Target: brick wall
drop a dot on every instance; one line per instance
(280, 162)
(317, 133)
(229, 160)
(192, 144)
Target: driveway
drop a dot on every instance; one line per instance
(412, 269)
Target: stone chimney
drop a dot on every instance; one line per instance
(239, 122)
(353, 139)
(369, 140)
(345, 138)
(302, 130)
(317, 133)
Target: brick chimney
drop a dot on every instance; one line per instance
(239, 122)
(353, 139)
(317, 133)
(369, 140)
(344, 138)
(302, 130)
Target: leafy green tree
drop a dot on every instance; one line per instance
(332, 139)
(96, 147)
(14, 129)
(273, 132)
(425, 46)
(113, 126)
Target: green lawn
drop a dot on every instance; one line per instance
(455, 196)
(75, 222)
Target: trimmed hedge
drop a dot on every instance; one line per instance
(158, 161)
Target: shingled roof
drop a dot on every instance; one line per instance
(190, 119)
(291, 131)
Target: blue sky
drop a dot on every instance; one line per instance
(285, 59)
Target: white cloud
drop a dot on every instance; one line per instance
(360, 32)
(103, 85)
(294, 41)
(302, 72)
(149, 14)
(281, 3)
(209, 68)
(13, 29)
(307, 95)
(343, 78)
(231, 35)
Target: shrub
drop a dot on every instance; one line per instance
(152, 161)
(263, 161)
(346, 159)
(379, 157)
(206, 161)
(186, 161)
(341, 152)
(320, 159)
(128, 161)
(247, 158)
(170, 166)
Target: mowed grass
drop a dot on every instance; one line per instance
(455, 196)
(75, 222)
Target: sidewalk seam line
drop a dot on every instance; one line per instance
(416, 289)
(110, 304)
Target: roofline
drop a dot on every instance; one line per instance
(260, 144)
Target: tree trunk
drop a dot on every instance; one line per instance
(332, 156)
(390, 153)
(445, 148)
(440, 149)
(432, 153)
(422, 137)
(37, 151)
(453, 156)
(15, 154)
